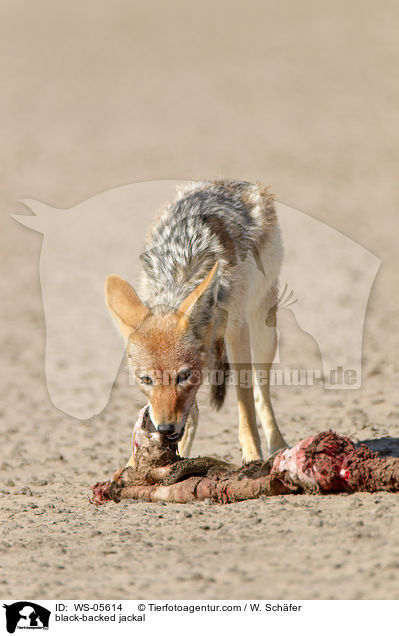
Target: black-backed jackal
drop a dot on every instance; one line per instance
(207, 302)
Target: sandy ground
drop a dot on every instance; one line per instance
(302, 96)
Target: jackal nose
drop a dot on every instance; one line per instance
(166, 429)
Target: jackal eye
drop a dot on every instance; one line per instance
(183, 376)
(145, 379)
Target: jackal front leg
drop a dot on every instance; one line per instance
(189, 433)
(131, 461)
(240, 360)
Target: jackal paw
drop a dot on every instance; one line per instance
(249, 457)
(275, 448)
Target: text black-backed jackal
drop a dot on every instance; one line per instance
(208, 300)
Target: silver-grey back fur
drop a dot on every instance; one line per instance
(209, 221)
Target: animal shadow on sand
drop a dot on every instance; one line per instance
(385, 446)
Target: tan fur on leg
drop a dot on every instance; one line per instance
(240, 354)
(263, 345)
(191, 428)
(131, 461)
(275, 441)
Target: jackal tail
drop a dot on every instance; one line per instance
(219, 375)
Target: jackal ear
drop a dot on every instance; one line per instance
(124, 305)
(197, 308)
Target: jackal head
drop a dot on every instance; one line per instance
(167, 351)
